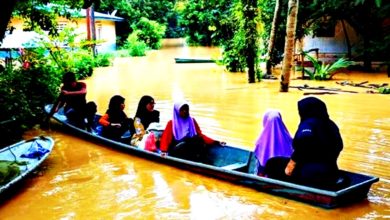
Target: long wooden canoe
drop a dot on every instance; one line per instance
(237, 165)
(194, 60)
(26, 155)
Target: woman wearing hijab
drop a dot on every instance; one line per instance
(317, 145)
(144, 116)
(182, 136)
(274, 140)
(115, 122)
(145, 111)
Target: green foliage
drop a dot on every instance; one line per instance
(267, 13)
(24, 92)
(37, 14)
(162, 11)
(35, 78)
(80, 62)
(104, 59)
(324, 71)
(135, 46)
(70, 55)
(8, 171)
(223, 23)
(208, 23)
(203, 19)
(231, 59)
(149, 32)
(384, 90)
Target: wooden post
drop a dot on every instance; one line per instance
(88, 17)
(93, 30)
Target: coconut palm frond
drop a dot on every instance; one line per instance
(316, 62)
(339, 64)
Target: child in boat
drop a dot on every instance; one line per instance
(115, 122)
(145, 115)
(182, 136)
(274, 140)
(90, 112)
(316, 144)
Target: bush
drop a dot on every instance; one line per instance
(384, 90)
(35, 80)
(135, 46)
(81, 62)
(23, 94)
(232, 61)
(149, 32)
(103, 60)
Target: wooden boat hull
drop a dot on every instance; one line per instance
(193, 60)
(15, 152)
(237, 165)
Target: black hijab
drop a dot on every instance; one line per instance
(114, 111)
(146, 116)
(312, 107)
(317, 137)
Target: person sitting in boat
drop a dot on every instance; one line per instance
(145, 115)
(182, 136)
(274, 140)
(72, 98)
(90, 113)
(115, 122)
(317, 145)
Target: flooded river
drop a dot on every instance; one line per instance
(84, 180)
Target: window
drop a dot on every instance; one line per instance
(98, 30)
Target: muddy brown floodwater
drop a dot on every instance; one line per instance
(84, 180)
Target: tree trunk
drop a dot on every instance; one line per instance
(347, 41)
(289, 44)
(272, 36)
(388, 70)
(7, 6)
(250, 29)
(366, 54)
(251, 67)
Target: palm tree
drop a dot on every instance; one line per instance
(289, 44)
(272, 36)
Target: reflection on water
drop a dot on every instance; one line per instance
(83, 180)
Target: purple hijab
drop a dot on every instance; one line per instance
(182, 127)
(274, 140)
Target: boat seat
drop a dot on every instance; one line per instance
(234, 166)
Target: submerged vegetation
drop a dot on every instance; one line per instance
(384, 90)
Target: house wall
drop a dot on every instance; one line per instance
(332, 46)
(105, 33)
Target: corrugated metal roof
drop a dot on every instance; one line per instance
(101, 16)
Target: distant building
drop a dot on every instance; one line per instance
(104, 26)
(332, 42)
